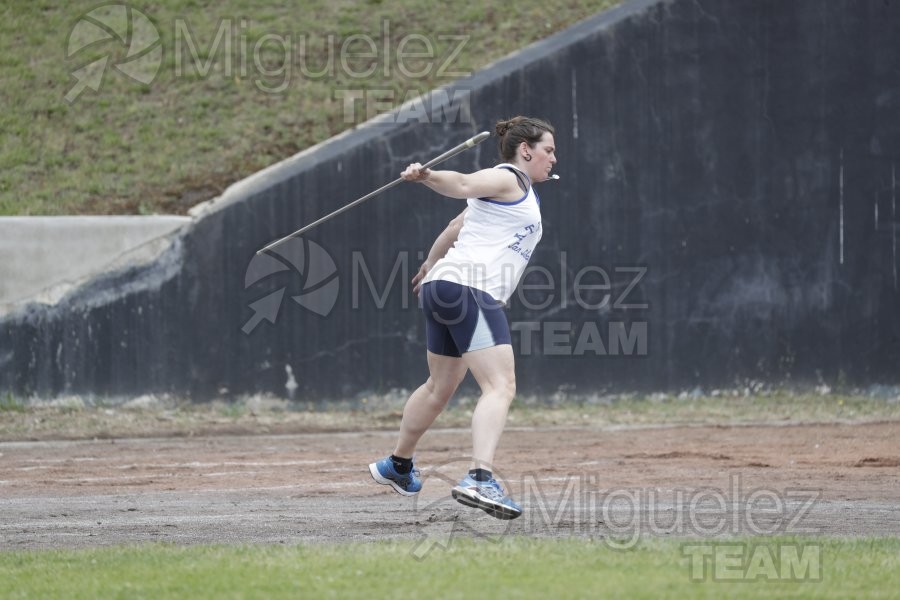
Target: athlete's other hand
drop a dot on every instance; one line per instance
(418, 277)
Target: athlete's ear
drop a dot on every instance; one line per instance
(525, 151)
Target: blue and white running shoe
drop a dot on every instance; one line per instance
(384, 473)
(486, 495)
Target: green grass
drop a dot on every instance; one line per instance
(510, 568)
(730, 407)
(133, 148)
(9, 403)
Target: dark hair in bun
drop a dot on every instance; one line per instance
(514, 131)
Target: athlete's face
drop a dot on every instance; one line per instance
(543, 158)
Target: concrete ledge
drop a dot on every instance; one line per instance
(45, 257)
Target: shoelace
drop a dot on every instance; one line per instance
(491, 489)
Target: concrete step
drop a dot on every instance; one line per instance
(42, 258)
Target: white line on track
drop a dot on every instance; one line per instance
(234, 463)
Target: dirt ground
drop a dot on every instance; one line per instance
(614, 484)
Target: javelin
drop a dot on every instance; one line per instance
(469, 143)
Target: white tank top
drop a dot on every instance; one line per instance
(495, 243)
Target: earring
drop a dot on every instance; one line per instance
(527, 157)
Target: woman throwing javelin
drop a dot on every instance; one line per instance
(470, 273)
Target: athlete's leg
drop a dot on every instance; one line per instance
(427, 402)
(494, 370)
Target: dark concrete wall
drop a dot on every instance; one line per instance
(729, 165)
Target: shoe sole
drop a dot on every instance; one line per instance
(373, 471)
(498, 511)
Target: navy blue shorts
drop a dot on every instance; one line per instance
(460, 319)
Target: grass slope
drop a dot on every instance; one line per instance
(217, 113)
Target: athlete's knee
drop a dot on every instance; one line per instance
(510, 388)
(503, 386)
(440, 390)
